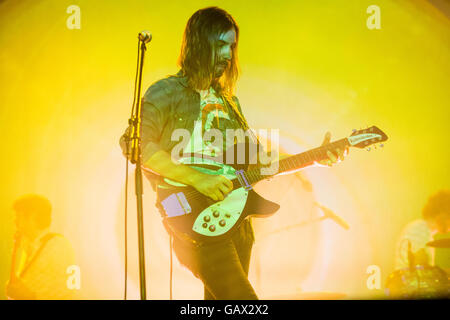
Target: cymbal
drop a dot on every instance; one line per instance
(441, 243)
(325, 295)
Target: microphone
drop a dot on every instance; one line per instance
(145, 36)
(333, 216)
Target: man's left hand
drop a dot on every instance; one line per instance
(333, 157)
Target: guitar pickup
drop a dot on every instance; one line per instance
(240, 174)
(176, 205)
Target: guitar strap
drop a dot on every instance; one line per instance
(235, 109)
(240, 117)
(44, 241)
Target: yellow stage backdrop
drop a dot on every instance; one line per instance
(307, 67)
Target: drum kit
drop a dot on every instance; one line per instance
(416, 282)
(420, 281)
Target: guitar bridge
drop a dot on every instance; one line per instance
(176, 205)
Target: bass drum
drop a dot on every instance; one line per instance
(423, 282)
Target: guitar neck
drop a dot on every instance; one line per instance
(298, 161)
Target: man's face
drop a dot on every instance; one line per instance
(224, 47)
(441, 223)
(25, 225)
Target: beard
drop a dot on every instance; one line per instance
(220, 69)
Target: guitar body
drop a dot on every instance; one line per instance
(190, 214)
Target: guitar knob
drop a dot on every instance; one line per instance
(216, 213)
(227, 215)
(207, 218)
(212, 228)
(222, 223)
(205, 225)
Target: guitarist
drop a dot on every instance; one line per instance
(200, 98)
(40, 258)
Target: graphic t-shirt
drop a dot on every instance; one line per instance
(210, 127)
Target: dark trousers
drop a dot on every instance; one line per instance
(222, 267)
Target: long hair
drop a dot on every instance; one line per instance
(198, 53)
(438, 203)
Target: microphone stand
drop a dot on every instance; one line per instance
(135, 158)
(328, 214)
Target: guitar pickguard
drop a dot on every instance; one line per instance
(187, 216)
(220, 217)
(220, 169)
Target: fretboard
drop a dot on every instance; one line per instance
(297, 161)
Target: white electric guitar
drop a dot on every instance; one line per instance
(190, 214)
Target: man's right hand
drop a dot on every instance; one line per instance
(214, 186)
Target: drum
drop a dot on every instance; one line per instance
(423, 282)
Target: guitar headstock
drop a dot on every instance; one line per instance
(367, 137)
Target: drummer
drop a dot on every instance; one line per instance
(435, 220)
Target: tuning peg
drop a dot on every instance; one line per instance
(353, 130)
(381, 145)
(368, 149)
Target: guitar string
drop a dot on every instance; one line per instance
(253, 175)
(318, 153)
(194, 194)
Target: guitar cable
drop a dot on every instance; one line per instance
(171, 266)
(126, 228)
